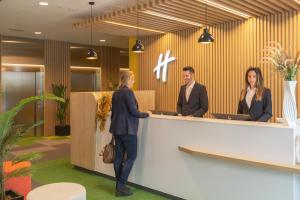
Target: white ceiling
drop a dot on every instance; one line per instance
(55, 20)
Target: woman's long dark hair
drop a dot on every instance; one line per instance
(259, 83)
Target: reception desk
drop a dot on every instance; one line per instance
(207, 159)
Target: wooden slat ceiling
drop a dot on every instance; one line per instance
(191, 10)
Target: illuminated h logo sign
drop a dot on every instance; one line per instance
(163, 65)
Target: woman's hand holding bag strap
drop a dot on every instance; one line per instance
(108, 152)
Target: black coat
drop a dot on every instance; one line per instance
(125, 114)
(259, 110)
(197, 105)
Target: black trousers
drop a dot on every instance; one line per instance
(124, 143)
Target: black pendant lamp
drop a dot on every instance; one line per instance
(91, 54)
(206, 37)
(138, 47)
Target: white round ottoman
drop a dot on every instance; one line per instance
(58, 191)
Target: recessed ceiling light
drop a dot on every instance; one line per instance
(43, 3)
(171, 18)
(102, 40)
(225, 8)
(38, 33)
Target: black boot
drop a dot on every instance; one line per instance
(124, 191)
(128, 188)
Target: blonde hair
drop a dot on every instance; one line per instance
(125, 77)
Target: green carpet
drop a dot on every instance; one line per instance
(97, 187)
(57, 137)
(27, 141)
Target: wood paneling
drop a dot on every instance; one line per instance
(146, 99)
(124, 58)
(78, 56)
(57, 71)
(191, 10)
(133, 60)
(83, 123)
(109, 58)
(22, 51)
(83, 114)
(220, 66)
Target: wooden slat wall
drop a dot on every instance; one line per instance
(109, 58)
(220, 66)
(57, 70)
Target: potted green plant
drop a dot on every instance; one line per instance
(62, 129)
(10, 133)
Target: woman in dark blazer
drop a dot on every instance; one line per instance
(124, 125)
(255, 99)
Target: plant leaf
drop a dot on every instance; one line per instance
(15, 133)
(27, 157)
(25, 171)
(10, 133)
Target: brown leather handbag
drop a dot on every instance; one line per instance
(108, 152)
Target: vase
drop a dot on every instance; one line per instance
(289, 109)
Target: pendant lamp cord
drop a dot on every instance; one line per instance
(137, 18)
(206, 15)
(91, 26)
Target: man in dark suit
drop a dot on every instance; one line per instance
(192, 100)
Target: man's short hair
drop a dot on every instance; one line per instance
(189, 68)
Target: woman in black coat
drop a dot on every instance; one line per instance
(124, 125)
(255, 99)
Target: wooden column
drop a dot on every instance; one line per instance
(57, 71)
(109, 58)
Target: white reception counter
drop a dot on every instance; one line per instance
(161, 166)
(218, 159)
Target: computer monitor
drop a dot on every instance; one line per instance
(231, 116)
(160, 112)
